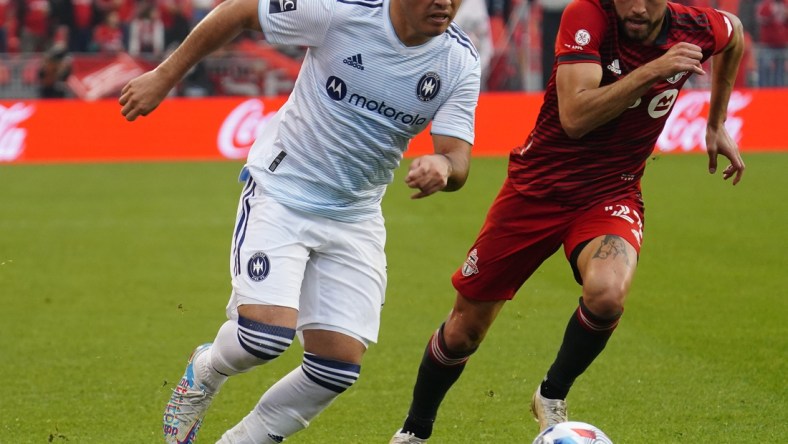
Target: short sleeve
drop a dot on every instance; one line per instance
(583, 26)
(295, 22)
(456, 116)
(722, 28)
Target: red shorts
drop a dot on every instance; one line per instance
(522, 232)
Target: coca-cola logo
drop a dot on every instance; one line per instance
(12, 138)
(241, 128)
(685, 129)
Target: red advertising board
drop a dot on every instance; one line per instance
(224, 128)
(99, 77)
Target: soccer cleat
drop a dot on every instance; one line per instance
(406, 438)
(548, 412)
(187, 405)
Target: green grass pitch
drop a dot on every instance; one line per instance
(111, 274)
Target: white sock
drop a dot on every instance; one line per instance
(261, 343)
(228, 357)
(289, 406)
(239, 435)
(205, 374)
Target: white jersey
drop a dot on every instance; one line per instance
(359, 99)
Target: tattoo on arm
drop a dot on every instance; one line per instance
(612, 247)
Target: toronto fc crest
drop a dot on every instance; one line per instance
(469, 267)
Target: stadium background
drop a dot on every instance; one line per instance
(114, 236)
(86, 50)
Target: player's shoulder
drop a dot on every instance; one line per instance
(589, 5)
(685, 16)
(581, 11)
(356, 15)
(701, 24)
(358, 7)
(459, 42)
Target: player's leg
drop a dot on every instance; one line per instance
(331, 364)
(339, 315)
(605, 266)
(517, 236)
(444, 359)
(262, 311)
(240, 345)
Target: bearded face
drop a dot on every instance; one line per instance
(640, 20)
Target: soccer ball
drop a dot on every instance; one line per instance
(572, 432)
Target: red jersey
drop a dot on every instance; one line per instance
(5, 7)
(83, 13)
(773, 20)
(608, 162)
(37, 17)
(108, 39)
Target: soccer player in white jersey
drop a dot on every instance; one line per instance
(307, 255)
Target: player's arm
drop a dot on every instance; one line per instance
(725, 66)
(143, 94)
(446, 170)
(584, 105)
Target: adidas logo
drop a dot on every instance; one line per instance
(615, 67)
(354, 61)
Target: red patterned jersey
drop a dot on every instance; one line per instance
(608, 162)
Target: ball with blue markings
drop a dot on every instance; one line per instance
(572, 432)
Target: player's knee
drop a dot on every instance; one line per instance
(466, 328)
(331, 374)
(264, 341)
(605, 302)
(461, 337)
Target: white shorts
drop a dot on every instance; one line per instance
(333, 273)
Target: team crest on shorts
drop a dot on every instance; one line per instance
(258, 266)
(469, 267)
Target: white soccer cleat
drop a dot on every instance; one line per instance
(548, 412)
(405, 438)
(187, 405)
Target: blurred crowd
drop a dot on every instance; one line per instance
(514, 37)
(80, 26)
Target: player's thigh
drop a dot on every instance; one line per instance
(518, 235)
(603, 245)
(345, 280)
(269, 253)
(607, 265)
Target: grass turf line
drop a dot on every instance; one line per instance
(111, 273)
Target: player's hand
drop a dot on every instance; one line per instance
(143, 94)
(680, 57)
(719, 142)
(429, 174)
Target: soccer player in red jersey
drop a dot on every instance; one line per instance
(575, 182)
